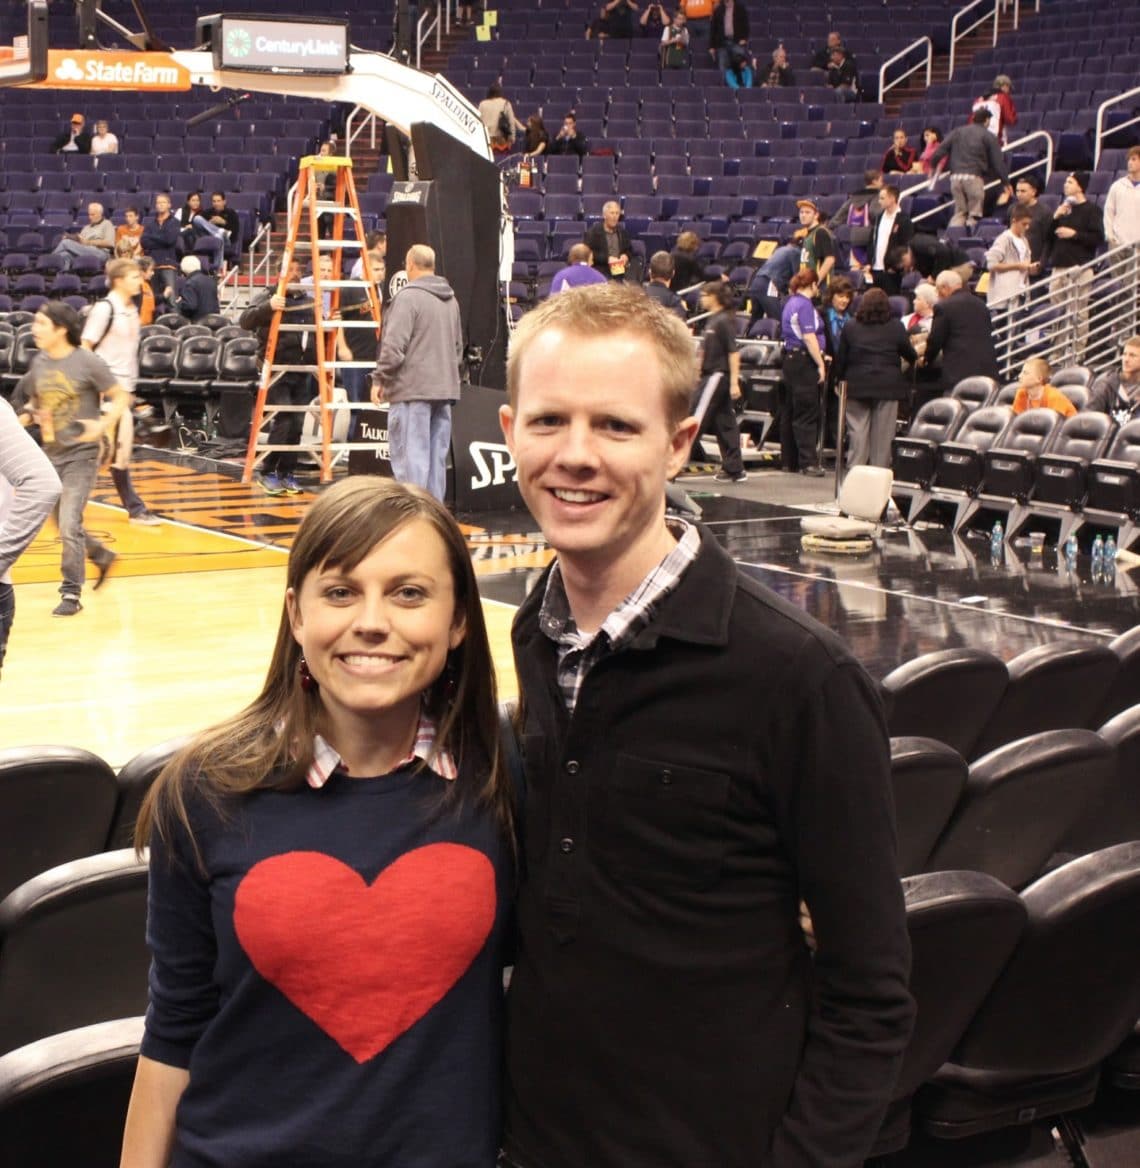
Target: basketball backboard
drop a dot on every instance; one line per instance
(23, 52)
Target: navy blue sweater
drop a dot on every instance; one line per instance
(333, 982)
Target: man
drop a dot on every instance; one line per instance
(376, 244)
(421, 352)
(842, 75)
(660, 275)
(817, 248)
(569, 139)
(1117, 391)
(198, 297)
(728, 26)
(103, 141)
(29, 488)
(1075, 235)
(664, 1009)
(858, 214)
(974, 159)
(73, 140)
(579, 272)
(609, 243)
(161, 232)
(95, 240)
(63, 392)
(112, 331)
(291, 387)
(779, 74)
(899, 158)
(960, 334)
(325, 271)
(1122, 206)
(998, 102)
(227, 219)
(1025, 192)
(131, 228)
(719, 387)
(821, 58)
(892, 229)
(1009, 262)
(769, 285)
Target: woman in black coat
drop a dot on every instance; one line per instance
(871, 349)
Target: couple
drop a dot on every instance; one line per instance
(700, 758)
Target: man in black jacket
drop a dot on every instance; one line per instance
(1075, 235)
(75, 139)
(609, 243)
(728, 26)
(664, 1008)
(892, 229)
(960, 334)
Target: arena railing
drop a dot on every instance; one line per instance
(927, 60)
(1101, 132)
(990, 11)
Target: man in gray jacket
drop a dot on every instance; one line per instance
(975, 158)
(418, 372)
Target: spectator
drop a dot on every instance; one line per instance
(103, 141)
(836, 306)
(728, 26)
(1035, 393)
(1122, 206)
(719, 386)
(96, 240)
(198, 230)
(675, 42)
(1009, 262)
(973, 157)
(75, 139)
(579, 273)
(160, 237)
(225, 218)
(569, 139)
(931, 140)
(919, 322)
(616, 19)
(769, 285)
(1075, 235)
(930, 256)
(741, 71)
(899, 158)
(537, 136)
(842, 75)
(870, 349)
(999, 104)
(198, 297)
(654, 20)
(1025, 192)
(892, 230)
(660, 276)
(1117, 392)
(858, 214)
(687, 267)
(145, 299)
(610, 243)
(779, 74)
(498, 117)
(817, 247)
(131, 228)
(960, 334)
(804, 373)
(376, 242)
(821, 58)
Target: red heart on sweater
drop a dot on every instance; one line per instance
(366, 962)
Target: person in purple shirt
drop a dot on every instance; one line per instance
(804, 372)
(579, 273)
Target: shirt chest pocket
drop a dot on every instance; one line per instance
(653, 821)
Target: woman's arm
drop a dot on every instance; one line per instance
(149, 1134)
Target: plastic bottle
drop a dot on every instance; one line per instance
(1071, 553)
(1098, 557)
(997, 540)
(1110, 557)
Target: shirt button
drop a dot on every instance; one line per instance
(566, 845)
(572, 767)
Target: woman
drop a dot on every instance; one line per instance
(537, 136)
(196, 226)
(719, 388)
(330, 871)
(802, 376)
(687, 267)
(835, 306)
(931, 139)
(499, 119)
(870, 348)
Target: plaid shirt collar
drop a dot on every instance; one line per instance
(579, 653)
(326, 760)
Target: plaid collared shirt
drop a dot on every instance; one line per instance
(326, 760)
(579, 653)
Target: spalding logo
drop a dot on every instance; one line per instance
(493, 465)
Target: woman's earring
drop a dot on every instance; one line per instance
(308, 682)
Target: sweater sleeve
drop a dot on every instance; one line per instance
(394, 340)
(36, 486)
(180, 935)
(835, 800)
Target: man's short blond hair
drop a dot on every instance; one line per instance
(1038, 366)
(422, 256)
(1131, 343)
(118, 268)
(607, 310)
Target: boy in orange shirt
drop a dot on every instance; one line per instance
(1035, 392)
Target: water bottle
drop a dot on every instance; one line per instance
(1071, 553)
(997, 539)
(1110, 558)
(1098, 557)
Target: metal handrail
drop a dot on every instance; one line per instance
(429, 22)
(1099, 142)
(368, 121)
(956, 35)
(883, 87)
(1013, 175)
(257, 264)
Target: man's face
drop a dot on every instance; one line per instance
(162, 204)
(833, 40)
(1133, 165)
(887, 201)
(899, 139)
(1025, 194)
(77, 124)
(1130, 362)
(325, 267)
(218, 202)
(1072, 188)
(131, 283)
(1031, 381)
(611, 213)
(132, 218)
(45, 332)
(808, 216)
(594, 446)
(1019, 227)
(569, 127)
(94, 212)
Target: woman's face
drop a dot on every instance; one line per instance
(929, 136)
(841, 301)
(377, 636)
(194, 202)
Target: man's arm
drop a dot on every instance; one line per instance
(995, 160)
(826, 254)
(394, 340)
(1110, 214)
(937, 337)
(36, 484)
(838, 823)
